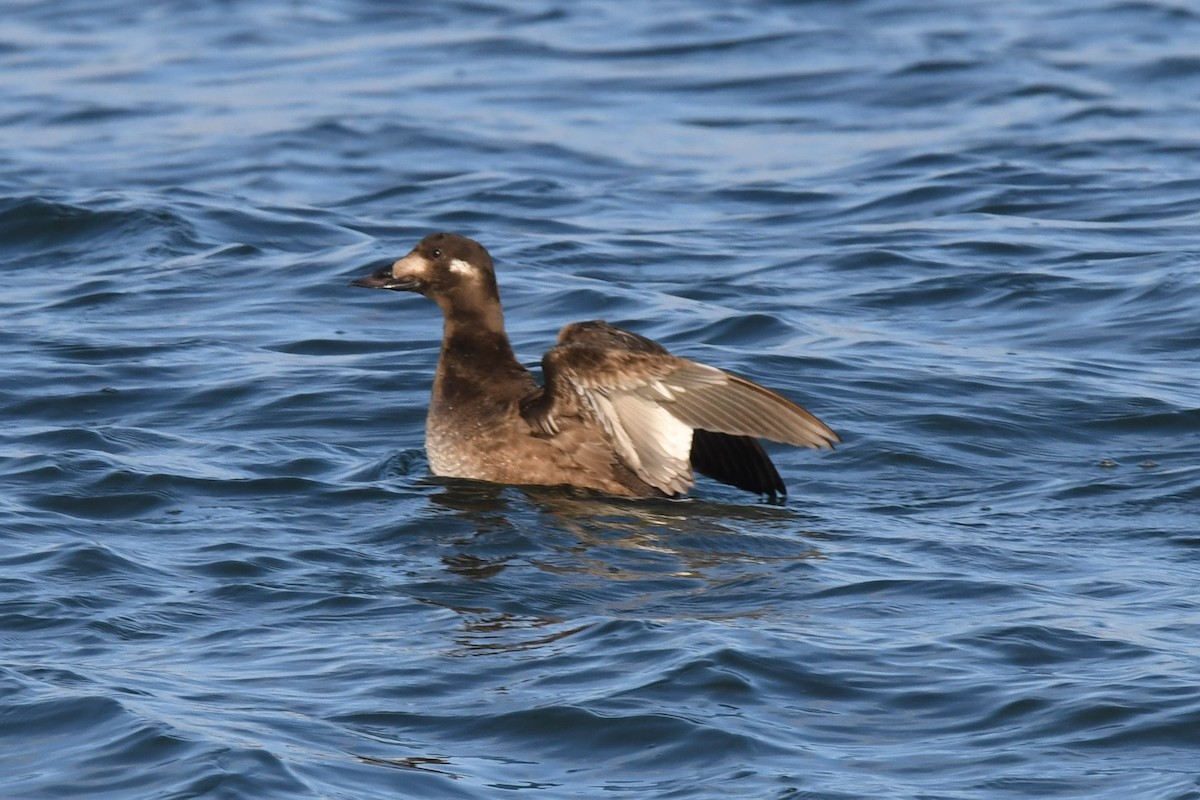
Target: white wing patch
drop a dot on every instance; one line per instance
(653, 442)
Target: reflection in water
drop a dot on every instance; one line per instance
(701, 534)
(420, 763)
(485, 631)
(470, 566)
(541, 564)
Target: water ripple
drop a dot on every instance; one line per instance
(963, 234)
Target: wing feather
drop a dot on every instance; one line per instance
(650, 403)
(736, 460)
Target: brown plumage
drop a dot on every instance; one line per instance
(617, 413)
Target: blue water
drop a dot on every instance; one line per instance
(963, 233)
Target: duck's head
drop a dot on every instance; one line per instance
(455, 271)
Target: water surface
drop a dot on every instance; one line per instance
(962, 233)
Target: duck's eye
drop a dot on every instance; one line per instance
(437, 252)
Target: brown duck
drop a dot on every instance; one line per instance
(617, 414)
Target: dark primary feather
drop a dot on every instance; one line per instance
(736, 460)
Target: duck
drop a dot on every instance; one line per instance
(616, 413)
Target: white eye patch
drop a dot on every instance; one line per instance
(461, 267)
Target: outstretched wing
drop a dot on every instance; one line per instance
(650, 402)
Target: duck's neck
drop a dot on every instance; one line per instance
(477, 360)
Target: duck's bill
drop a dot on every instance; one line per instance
(383, 279)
